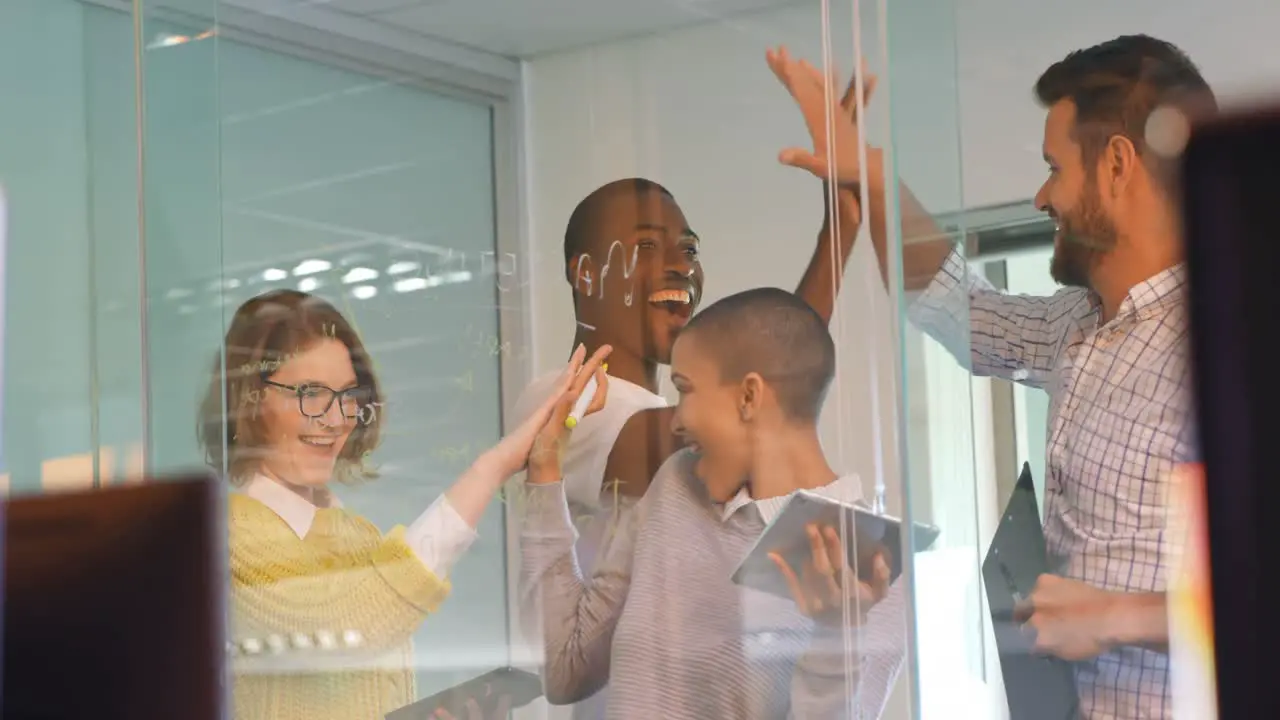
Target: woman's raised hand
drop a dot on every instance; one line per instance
(553, 437)
(531, 442)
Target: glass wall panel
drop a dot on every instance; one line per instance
(1029, 275)
(116, 256)
(430, 170)
(968, 135)
(68, 163)
(377, 195)
(182, 222)
(690, 103)
(947, 445)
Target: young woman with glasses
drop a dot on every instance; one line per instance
(323, 604)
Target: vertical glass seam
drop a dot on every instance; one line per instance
(215, 38)
(962, 231)
(91, 256)
(504, 506)
(139, 89)
(895, 290)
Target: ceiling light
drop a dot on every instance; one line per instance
(364, 292)
(309, 267)
(359, 274)
(223, 284)
(410, 284)
(165, 40)
(459, 276)
(402, 267)
(177, 293)
(274, 274)
(308, 284)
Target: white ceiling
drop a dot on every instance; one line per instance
(522, 28)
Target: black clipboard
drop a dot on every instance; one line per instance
(522, 687)
(787, 535)
(1037, 687)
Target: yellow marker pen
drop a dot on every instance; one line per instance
(584, 401)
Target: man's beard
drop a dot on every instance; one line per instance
(1087, 234)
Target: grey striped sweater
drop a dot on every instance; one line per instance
(662, 624)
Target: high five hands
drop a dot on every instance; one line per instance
(539, 441)
(553, 434)
(834, 156)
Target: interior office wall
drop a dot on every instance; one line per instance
(1004, 44)
(1000, 45)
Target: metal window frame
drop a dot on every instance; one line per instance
(995, 232)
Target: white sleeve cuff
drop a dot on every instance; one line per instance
(439, 537)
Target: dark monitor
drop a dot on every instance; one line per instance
(113, 603)
(1231, 187)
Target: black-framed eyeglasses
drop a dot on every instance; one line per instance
(314, 400)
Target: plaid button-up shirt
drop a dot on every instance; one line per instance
(1119, 419)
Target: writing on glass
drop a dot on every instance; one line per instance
(452, 453)
(481, 344)
(460, 266)
(269, 366)
(586, 282)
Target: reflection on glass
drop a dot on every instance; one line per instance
(340, 150)
(1109, 348)
(323, 606)
(661, 617)
(375, 191)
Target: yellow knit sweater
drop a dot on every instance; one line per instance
(321, 626)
